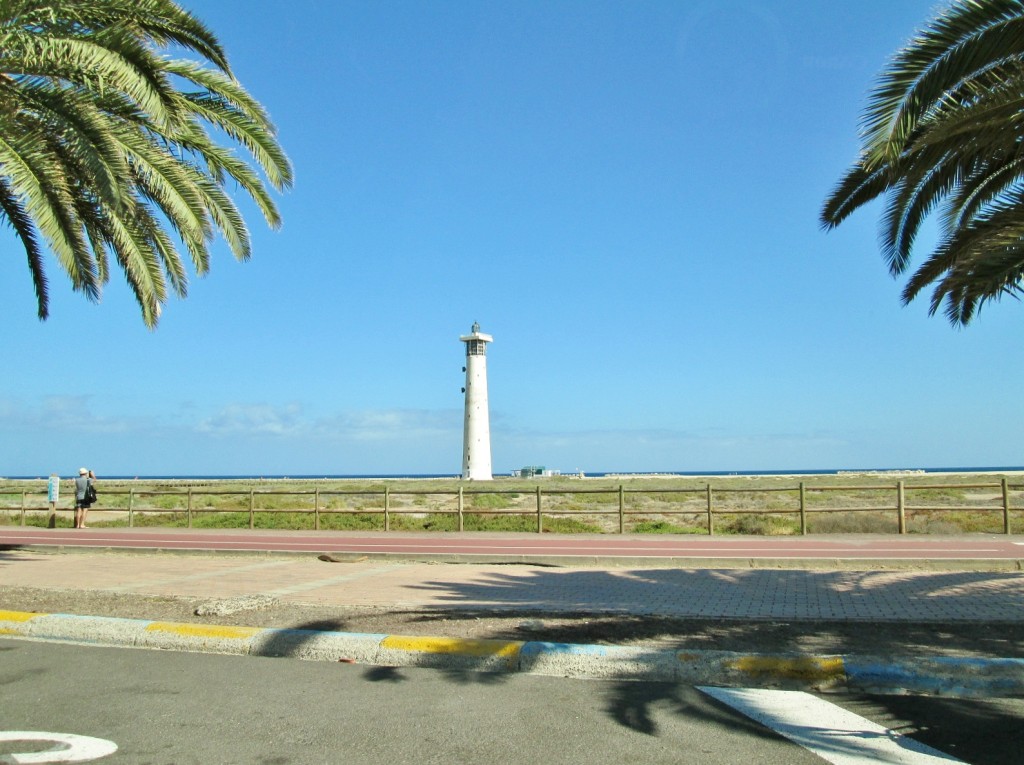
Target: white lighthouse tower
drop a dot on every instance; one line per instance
(476, 442)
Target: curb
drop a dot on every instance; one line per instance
(939, 676)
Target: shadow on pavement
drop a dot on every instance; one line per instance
(984, 732)
(778, 611)
(764, 635)
(754, 593)
(632, 705)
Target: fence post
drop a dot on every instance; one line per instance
(1006, 507)
(131, 507)
(803, 510)
(622, 519)
(901, 508)
(252, 508)
(540, 517)
(316, 508)
(711, 520)
(387, 509)
(188, 507)
(23, 508)
(460, 508)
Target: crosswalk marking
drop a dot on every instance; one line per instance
(835, 734)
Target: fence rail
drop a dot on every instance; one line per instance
(707, 503)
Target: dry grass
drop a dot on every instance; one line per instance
(861, 503)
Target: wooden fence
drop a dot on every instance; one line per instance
(802, 501)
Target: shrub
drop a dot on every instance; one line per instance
(646, 526)
(499, 523)
(489, 501)
(851, 523)
(955, 522)
(352, 521)
(425, 522)
(563, 525)
(169, 520)
(751, 523)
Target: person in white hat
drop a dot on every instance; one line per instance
(82, 499)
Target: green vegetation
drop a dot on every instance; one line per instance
(647, 526)
(760, 525)
(955, 522)
(112, 147)
(855, 503)
(491, 501)
(563, 525)
(852, 523)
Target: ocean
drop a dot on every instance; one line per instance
(588, 474)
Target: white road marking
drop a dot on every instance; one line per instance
(835, 734)
(306, 586)
(194, 577)
(69, 747)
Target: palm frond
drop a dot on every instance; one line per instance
(103, 153)
(944, 134)
(21, 222)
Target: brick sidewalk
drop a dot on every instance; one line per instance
(704, 593)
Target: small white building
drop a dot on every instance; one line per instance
(535, 471)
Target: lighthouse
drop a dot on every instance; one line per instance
(476, 434)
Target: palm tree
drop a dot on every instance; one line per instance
(944, 134)
(107, 147)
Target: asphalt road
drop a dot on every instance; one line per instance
(514, 546)
(163, 707)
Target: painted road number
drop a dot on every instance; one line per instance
(67, 747)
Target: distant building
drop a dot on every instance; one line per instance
(535, 471)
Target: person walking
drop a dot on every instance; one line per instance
(83, 500)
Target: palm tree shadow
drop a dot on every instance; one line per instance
(384, 675)
(631, 704)
(756, 609)
(807, 611)
(13, 553)
(786, 611)
(636, 705)
(974, 730)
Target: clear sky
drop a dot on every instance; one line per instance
(624, 194)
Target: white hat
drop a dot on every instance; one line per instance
(82, 471)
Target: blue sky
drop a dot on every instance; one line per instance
(624, 194)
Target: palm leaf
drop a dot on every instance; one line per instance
(102, 153)
(944, 135)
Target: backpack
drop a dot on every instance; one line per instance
(90, 493)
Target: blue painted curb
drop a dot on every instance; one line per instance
(938, 675)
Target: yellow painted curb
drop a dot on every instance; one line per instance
(465, 647)
(810, 668)
(18, 616)
(204, 630)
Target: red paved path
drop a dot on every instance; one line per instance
(985, 548)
